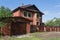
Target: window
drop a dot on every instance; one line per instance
(38, 23)
(38, 15)
(30, 23)
(27, 14)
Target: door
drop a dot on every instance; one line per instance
(18, 28)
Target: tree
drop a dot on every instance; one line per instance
(53, 22)
(4, 12)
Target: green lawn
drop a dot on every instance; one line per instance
(26, 38)
(54, 38)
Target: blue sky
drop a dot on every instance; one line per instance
(50, 8)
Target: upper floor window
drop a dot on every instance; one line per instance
(38, 15)
(27, 14)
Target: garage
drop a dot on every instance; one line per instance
(17, 26)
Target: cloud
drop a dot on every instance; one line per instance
(58, 13)
(45, 11)
(47, 15)
(57, 5)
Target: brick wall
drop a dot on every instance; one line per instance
(51, 28)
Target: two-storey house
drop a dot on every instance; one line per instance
(30, 12)
(28, 18)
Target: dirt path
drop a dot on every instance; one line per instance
(43, 36)
(46, 36)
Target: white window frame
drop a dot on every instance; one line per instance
(24, 15)
(27, 14)
(38, 14)
(38, 23)
(30, 14)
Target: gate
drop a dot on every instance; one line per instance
(18, 28)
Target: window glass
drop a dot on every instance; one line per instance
(30, 23)
(38, 23)
(38, 15)
(25, 14)
(29, 14)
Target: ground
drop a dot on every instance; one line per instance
(36, 36)
(48, 35)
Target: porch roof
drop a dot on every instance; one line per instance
(26, 19)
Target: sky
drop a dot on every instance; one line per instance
(50, 8)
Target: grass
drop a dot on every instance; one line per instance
(34, 37)
(38, 33)
(25, 38)
(54, 38)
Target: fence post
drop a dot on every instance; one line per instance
(53, 28)
(44, 29)
(50, 29)
(57, 28)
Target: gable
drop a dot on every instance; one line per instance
(32, 8)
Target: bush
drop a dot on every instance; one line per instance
(0, 34)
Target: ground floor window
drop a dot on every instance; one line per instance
(38, 23)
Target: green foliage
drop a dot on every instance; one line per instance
(3, 22)
(53, 22)
(49, 23)
(4, 12)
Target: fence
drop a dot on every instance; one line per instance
(51, 28)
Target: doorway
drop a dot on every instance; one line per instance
(18, 28)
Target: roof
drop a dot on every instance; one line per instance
(29, 7)
(16, 17)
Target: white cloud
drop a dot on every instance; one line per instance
(46, 15)
(58, 13)
(46, 12)
(57, 5)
